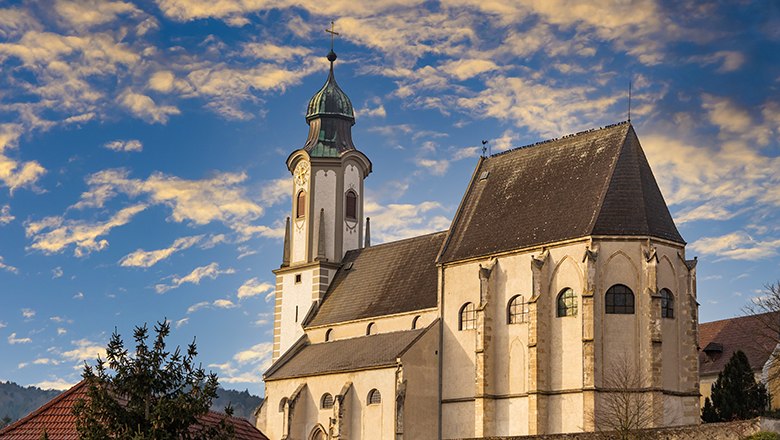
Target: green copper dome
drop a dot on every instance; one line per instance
(330, 100)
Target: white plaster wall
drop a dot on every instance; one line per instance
(325, 197)
(461, 285)
(384, 324)
(367, 422)
(565, 413)
(294, 295)
(512, 416)
(421, 373)
(352, 180)
(457, 419)
(565, 368)
(620, 332)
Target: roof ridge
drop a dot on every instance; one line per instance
(43, 407)
(733, 318)
(566, 136)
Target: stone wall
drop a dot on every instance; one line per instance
(711, 431)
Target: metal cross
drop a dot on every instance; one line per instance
(332, 33)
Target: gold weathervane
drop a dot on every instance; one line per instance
(332, 33)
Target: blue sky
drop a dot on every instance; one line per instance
(142, 146)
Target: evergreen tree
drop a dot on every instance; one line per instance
(153, 394)
(708, 413)
(735, 394)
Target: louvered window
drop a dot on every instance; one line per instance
(374, 398)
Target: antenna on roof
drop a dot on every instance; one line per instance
(484, 148)
(629, 100)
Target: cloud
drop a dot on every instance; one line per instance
(5, 215)
(209, 271)
(7, 267)
(736, 246)
(220, 304)
(254, 287)
(60, 319)
(218, 198)
(78, 295)
(53, 234)
(85, 14)
(197, 306)
(129, 145)
(396, 221)
(12, 339)
(84, 350)
(56, 384)
(257, 353)
(464, 69)
(13, 173)
(145, 108)
(182, 322)
(224, 304)
(56, 272)
(729, 60)
(61, 331)
(141, 258)
(28, 313)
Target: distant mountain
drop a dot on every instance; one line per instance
(243, 403)
(17, 401)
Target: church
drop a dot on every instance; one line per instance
(562, 269)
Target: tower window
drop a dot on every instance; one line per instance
(667, 304)
(374, 398)
(620, 300)
(297, 278)
(567, 303)
(327, 401)
(300, 205)
(515, 310)
(351, 205)
(468, 317)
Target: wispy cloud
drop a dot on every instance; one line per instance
(209, 271)
(736, 246)
(219, 304)
(12, 339)
(13, 173)
(28, 313)
(5, 215)
(54, 234)
(396, 221)
(141, 258)
(84, 350)
(130, 145)
(7, 267)
(254, 287)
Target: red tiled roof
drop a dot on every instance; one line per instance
(57, 419)
(756, 335)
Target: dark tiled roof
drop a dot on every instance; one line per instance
(382, 280)
(344, 355)
(755, 335)
(593, 183)
(57, 419)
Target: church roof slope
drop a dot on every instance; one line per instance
(382, 280)
(593, 183)
(56, 418)
(756, 335)
(375, 351)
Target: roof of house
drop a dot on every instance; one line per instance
(56, 418)
(382, 280)
(364, 352)
(756, 335)
(593, 183)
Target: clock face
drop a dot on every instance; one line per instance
(301, 173)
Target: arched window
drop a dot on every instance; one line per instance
(318, 433)
(414, 322)
(327, 401)
(567, 303)
(370, 328)
(350, 205)
(282, 403)
(374, 398)
(619, 300)
(667, 304)
(300, 204)
(468, 317)
(515, 310)
(329, 335)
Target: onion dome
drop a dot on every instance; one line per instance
(330, 117)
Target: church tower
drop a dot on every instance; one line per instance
(327, 210)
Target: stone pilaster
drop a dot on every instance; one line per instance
(483, 401)
(339, 423)
(588, 339)
(652, 364)
(690, 375)
(537, 349)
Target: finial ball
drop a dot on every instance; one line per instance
(332, 56)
